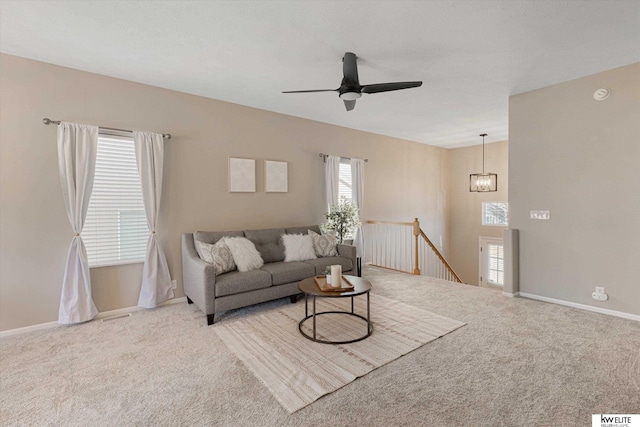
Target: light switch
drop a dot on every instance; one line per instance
(539, 214)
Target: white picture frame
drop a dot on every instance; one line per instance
(276, 176)
(242, 175)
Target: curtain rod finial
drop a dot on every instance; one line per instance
(46, 121)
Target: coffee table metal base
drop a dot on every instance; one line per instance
(315, 314)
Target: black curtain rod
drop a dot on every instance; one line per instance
(324, 157)
(57, 122)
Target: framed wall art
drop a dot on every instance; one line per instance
(242, 175)
(276, 176)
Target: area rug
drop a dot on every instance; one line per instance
(298, 371)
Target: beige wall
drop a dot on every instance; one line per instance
(580, 159)
(465, 208)
(403, 180)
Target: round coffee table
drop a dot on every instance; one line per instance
(310, 289)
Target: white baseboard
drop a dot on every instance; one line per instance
(582, 306)
(510, 295)
(121, 311)
(101, 315)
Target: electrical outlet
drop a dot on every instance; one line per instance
(599, 296)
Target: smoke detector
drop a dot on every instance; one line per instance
(601, 94)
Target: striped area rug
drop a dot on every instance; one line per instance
(298, 371)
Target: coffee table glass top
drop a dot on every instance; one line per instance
(360, 286)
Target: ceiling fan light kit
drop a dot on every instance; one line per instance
(483, 182)
(350, 96)
(350, 89)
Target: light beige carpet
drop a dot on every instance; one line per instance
(298, 371)
(516, 363)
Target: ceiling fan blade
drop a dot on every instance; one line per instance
(312, 90)
(350, 69)
(386, 87)
(349, 105)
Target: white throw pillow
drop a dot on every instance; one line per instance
(324, 245)
(245, 254)
(217, 255)
(298, 247)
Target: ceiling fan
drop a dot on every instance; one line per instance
(350, 89)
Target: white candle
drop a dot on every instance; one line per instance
(336, 276)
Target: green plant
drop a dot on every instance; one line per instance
(342, 219)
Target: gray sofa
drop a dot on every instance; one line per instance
(276, 279)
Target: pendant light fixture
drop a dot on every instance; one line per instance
(483, 182)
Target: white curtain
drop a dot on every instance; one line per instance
(331, 179)
(156, 281)
(357, 185)
(77, 149)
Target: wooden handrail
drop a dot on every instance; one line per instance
(417, 232)
(439, 255)
(409, 224)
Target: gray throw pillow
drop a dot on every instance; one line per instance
(324, 244)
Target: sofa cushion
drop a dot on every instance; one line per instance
(236, 282)
(320, 264)
(303, 230)
(212, 237)
(268, 243)
(287, 272)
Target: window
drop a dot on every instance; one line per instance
(491, 262)
(496, 264)
(344, 187)
(115, 230)
(495, 213)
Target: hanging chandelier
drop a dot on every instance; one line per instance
(483, 182)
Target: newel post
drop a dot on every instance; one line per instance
(416, 234)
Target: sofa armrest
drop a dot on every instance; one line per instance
(349, 251)
(198, 277)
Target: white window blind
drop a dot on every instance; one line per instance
(115, 230)
(496, 264)
(344, 187)
(495, 213)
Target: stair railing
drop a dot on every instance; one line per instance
(404, 246)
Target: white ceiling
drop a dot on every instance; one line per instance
(471, 55)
